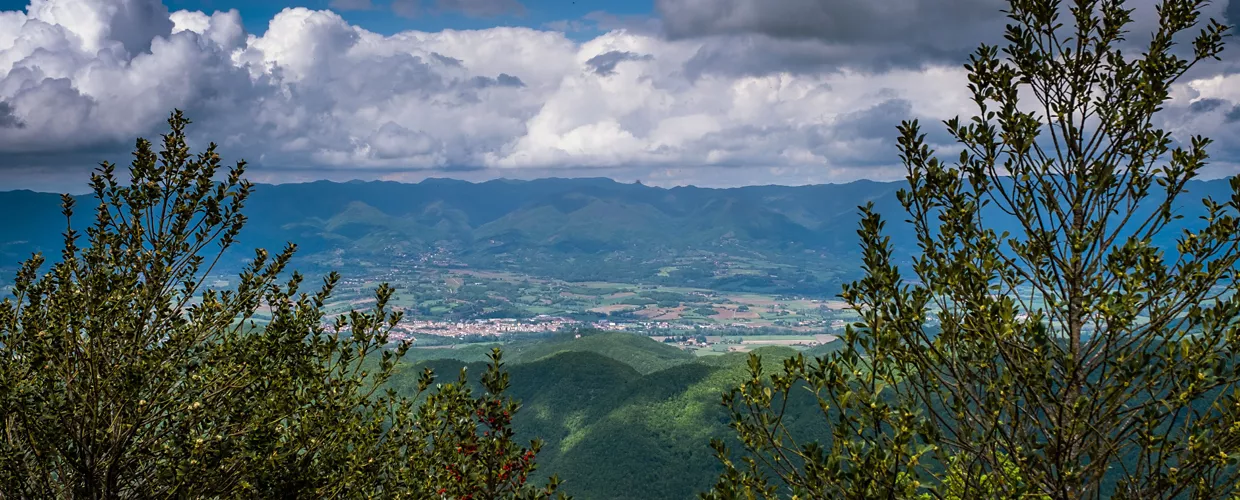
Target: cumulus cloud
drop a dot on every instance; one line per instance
(1210, 107)
(316, 97)
(101, 25)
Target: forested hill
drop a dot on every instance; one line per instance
(608, 230)
(622, 416)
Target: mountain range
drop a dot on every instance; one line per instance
(800, 238)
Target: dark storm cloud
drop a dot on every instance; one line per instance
(7, 118)
(507, 80)
(853, 33)
(1213, 117)
(1232, 116)
(757, 55)
(763, 36)
(86, 157)
(503, 80)
(859, 141)
(446, 60)
(1205, 105)
(605, 64)
(876, 122)
(867, 137)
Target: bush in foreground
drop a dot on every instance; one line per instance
(119, 379)
(1074, 358)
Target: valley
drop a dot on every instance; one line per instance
(445, 307)
(504, 259)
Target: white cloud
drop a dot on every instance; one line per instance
(1210, 106)
(316, 94)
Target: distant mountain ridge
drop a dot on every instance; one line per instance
(587, 215)
(597, 224)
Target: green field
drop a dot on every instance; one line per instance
(460, 295)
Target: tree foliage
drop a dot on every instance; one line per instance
(1072, 358)
(119, 379)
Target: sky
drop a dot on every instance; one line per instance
(667, 92)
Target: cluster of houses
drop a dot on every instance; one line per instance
(490, 327)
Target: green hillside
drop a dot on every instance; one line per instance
(465, 353)
(643, 354)
(622, 416)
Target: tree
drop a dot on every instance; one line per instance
(118, 379)
(1075, 359)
